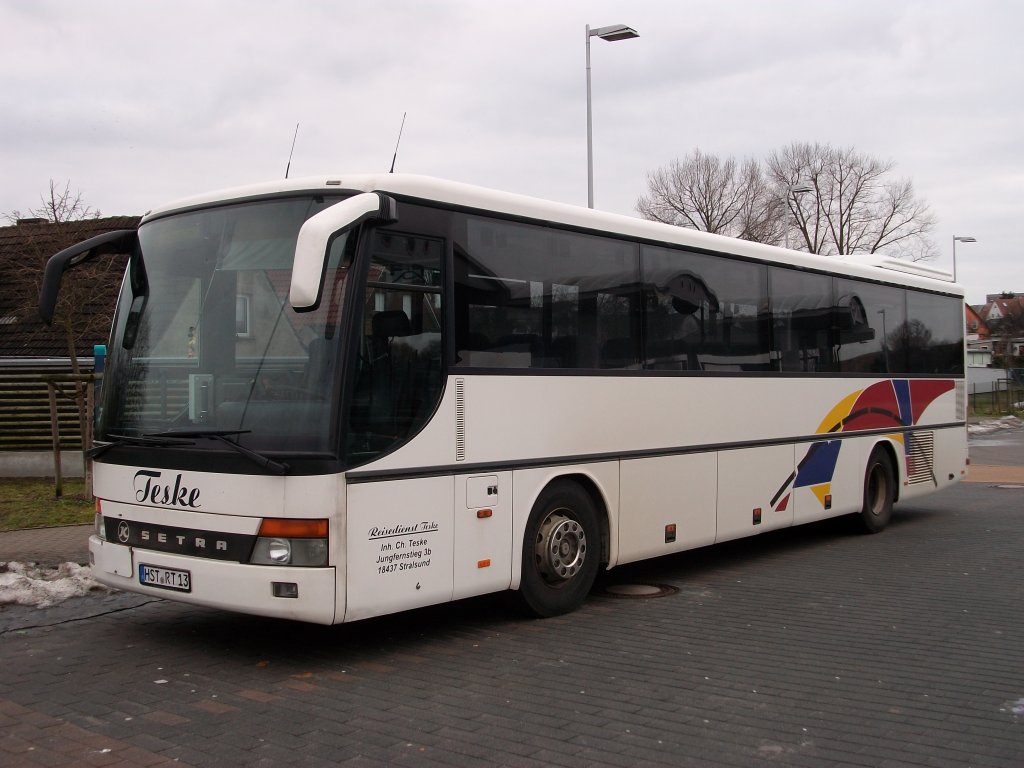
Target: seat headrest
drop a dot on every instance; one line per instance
(391, 323)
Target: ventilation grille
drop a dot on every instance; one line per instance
(961, 400)
(921, 457)
(460, 419)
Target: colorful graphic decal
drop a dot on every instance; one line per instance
(895, 403)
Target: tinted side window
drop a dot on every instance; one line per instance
(705, 313)
(801, 321)
(529, 296)
(934, 334)
(871, 322)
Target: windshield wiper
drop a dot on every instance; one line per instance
(221, 436)
(148, 441)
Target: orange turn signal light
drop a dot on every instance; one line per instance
(483, 563)
(483, 514)
(285, 528)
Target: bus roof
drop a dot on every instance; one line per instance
(426, 188)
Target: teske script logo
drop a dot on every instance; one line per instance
(149, 490)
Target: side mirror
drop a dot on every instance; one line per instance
(121, 241)
(315, 237)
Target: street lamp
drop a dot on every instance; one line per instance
(959, 240)
(791, 193)
(885, 341)
(610, 33)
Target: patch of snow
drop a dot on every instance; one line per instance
(1016, 708)
(33, 585)
(994, 425)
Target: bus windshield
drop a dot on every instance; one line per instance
(206, 341)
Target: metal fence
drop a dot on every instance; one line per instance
(999, 397)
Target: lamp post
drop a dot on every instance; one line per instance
(885, 341)
(956, 240)
(791, 194)
(610, 33)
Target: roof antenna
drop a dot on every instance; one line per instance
(289, 166)
(395, 156)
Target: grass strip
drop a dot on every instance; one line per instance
(29, 502)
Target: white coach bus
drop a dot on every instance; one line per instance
(334, 398)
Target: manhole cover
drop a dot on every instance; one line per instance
(639, 590)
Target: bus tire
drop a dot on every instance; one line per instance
(561, 550)
(879, 491)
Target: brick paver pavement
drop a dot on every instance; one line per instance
(994, 473)
(806, 647)
(47, 546)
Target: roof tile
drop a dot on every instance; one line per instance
(24, 249)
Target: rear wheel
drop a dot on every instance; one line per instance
(879, 491)
(561, 550)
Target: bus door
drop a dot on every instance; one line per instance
(399, 545)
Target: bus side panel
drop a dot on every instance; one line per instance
(830, 477)
(667, 491)
(400, 535)
(948, 463)
(527, 485)
(483, 533)
(748, 485)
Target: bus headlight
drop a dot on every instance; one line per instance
(279, 551)
(291, 542)
(306, 552)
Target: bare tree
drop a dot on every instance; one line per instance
(56, 206)
(854, 206)
(75, 313)
(78, 313)
(811, 196)
(705, 192)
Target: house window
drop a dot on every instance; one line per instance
(242, 317)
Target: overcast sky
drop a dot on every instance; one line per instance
(139, 103)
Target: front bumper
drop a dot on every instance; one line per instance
(218, 584)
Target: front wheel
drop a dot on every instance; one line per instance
(879, 491)
(561, 550)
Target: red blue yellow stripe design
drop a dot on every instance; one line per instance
(893, 403)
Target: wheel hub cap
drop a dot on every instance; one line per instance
(561, 547)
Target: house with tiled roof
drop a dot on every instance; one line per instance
(31, 352)
(979, 346)
(24, 250)
(999, 306)
(1003, 313)
(974, 324)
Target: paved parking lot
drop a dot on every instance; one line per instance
(806, 647)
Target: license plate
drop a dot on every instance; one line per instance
(165, 578)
